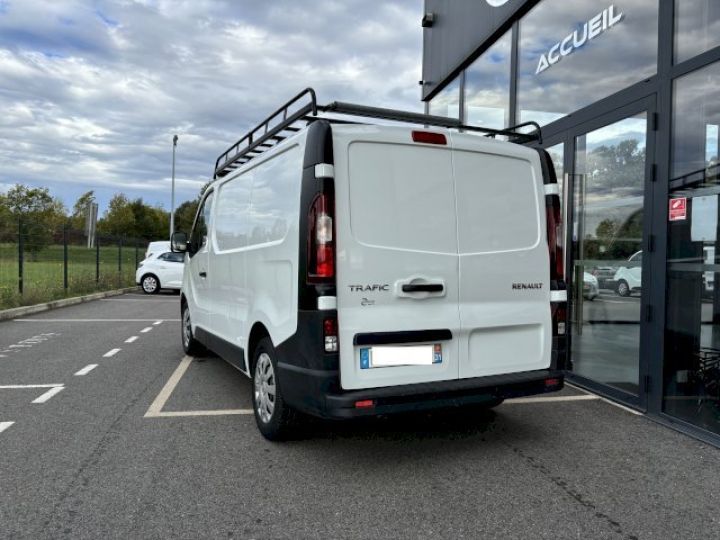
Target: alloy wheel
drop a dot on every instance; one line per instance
(264, 388)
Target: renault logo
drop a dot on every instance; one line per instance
(497, 3)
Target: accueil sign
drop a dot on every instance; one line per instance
(598, 25)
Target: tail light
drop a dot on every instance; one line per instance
(555, 238)
(330, 333)
(321, 245)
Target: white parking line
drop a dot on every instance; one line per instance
(5, 425)
(111, 352)
(50, 393)
(131, 339)
(157, 322)
(87, 369)
(21, 386)
(155, 409)
(92, 320)
(551, 399)
(146, 330)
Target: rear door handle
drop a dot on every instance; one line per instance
(422, 287)
(203, 274)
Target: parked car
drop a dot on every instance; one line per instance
(590, 286)
(629, 278)
(160, 246)
(348, 271)
(605, 276)
(160, 271)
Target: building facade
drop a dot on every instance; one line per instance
(628, 96)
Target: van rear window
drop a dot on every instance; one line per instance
(401, 196)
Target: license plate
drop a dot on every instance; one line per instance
(394, 355)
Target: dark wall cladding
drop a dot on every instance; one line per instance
(459, 30)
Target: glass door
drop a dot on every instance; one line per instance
(610, 165)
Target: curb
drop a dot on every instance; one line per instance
(37, 308)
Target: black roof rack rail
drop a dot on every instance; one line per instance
(265, 136)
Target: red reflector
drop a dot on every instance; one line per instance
(325, 261)
(428, 137)
(364, 404)
(552, 382)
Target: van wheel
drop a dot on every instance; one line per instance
(274, 418)
(191, 346)
(150, 284)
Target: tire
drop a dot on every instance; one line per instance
(275, 419)
(191, 346)
(623, 289)
(150, 284)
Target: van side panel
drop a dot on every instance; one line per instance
(255, 245)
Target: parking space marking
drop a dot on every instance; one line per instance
(87, 369)
(157, 322)
(23, 386)
(585, 397)
(92, 320)
(5, 425)
(111, 352)
(131, 339)
(146, 330)
(155, 409)
(49, 394)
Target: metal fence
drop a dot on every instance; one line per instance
(40, 263)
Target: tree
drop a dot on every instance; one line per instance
(36, 212)
(185, 214)
(79, 212)
(134, 219)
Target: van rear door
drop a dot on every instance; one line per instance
(397, 262)
(504, 268)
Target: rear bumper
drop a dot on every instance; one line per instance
(316, 392)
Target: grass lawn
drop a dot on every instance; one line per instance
(43, 272)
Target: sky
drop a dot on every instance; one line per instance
(92, 92)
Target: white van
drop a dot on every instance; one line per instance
(354, 269)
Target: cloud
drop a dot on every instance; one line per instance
(92, 92)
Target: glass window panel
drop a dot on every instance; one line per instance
(692, 335)
(607, 232)
(575, 53)
(697, 27)
(447, 102)
(487, 86)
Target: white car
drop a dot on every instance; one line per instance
(358, 269)
(629, 278)
(590, 286)
(161, 246)
(162, 270)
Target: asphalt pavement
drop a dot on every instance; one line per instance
(152, 444)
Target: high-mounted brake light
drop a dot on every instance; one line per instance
(428, 137)
(321, 252)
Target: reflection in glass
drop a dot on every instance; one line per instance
(575, 53)
(692, 334)
(487, 87)
(447, 102)
(697, 27)
(557, 154)
(607, 231)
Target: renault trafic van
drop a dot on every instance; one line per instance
(351, 269)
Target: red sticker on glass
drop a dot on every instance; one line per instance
(678, 209)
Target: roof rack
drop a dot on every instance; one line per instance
(266, 135)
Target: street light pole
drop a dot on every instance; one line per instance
(172, 194)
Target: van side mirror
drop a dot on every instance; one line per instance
(179, 242)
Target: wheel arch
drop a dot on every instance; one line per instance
(257, 332)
